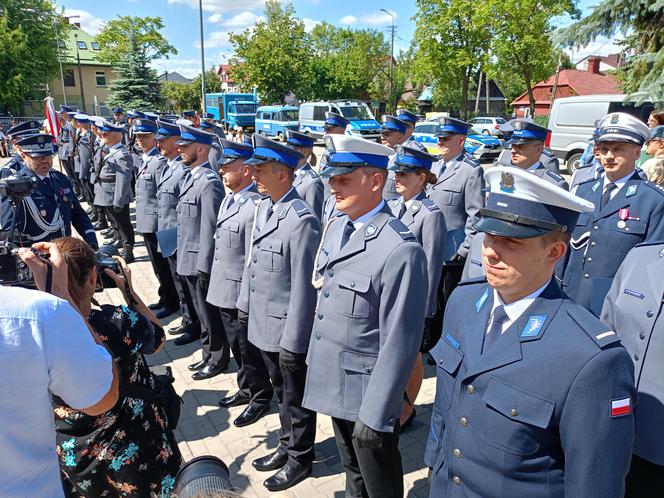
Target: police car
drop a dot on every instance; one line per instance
(481, 147)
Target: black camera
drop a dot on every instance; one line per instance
(17, 186)
(13, 271)
(104, 259)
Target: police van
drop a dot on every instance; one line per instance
(362, 121)
(274, 120)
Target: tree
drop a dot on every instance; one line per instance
(641, 21)
(28, 45)
(181, 96)
(405, 80)
(116, 35)
(274, 55)
(136, 86)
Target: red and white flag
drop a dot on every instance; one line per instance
(621, 407)
(52, 122)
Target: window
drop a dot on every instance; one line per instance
(290, 115)
(100, 76)
(319, 112)
(95, 46)
(82, 45)
(69, 77)
(62, 44)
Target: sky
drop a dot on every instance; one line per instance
(221, 17)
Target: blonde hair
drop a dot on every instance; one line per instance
(655, 172)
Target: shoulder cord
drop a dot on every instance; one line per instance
(318, 282)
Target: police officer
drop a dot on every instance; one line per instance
(118, 116)
(232, 238)
(215, 148)
(168, 193)
(113, 190)
(200, 197)
(84, 156)
(334, 124)
(193, 117)
(589, 168)
(393, 132)
(423, 218)
(209, 125)
(280, 300)
(628, 211)
(633, 308)
(534, 395)
(547, 158)
(412, 119)
(308, 184)
(372, 280)
(16, 133)
(100, 149)
(52, 208)
(147, 212)
(66, 141)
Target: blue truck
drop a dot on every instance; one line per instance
(275, 120)
(233, 109)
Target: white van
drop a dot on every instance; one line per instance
(362, 122)
(572, 122)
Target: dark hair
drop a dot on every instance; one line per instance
(80, 259)
(658, 116)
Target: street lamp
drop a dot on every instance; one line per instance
(80, 74)
(200, 15)
(391, 100)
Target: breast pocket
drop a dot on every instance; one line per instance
(623, 239)
(189, 208)
(448, 359)
(353, 295)
(229, 234)
(271, 255)
(357, 369)
(449, 194)
(515, 421)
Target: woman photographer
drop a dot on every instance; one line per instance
(130, 450)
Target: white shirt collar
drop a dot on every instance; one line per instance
(147, 154)
(513, 310)
(534, 167)
(236, 195)
(362, 220)
(618, 183)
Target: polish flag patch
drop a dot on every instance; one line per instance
(620, 407)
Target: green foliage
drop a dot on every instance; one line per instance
(641, 22)
(29, 50)
(404, 80)
(115, 39)
(182, 96)
(136, 86)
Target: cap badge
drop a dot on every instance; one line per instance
(137, 122)
(329, 144)
(615, 118)
(631, 190)
(401, 154)
(507, 182)
(661, 253)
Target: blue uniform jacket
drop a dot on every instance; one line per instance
(537, 415)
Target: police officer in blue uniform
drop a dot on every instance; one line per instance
(15, 133)
(50, 211)
(393, 132)
(628, 211)
(308, 184)
(534, 395)
(634, 309)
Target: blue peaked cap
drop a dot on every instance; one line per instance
(334, 119)
(231, 151)
(166, 129)
(189, 134)
(451, 126)
(299, 139)
(144, 126)
(392, 123)
(407, 116)
(527, 131)
(267, 150)
(107, 126)
(37, 145)
(408, 159)
(67, 109)
(27, 127)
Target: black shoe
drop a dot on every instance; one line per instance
(249, 415)
(88, 211)
(287, 477)
(180, 329)
(273, 461)
(155, 306)
(100, 226)
(109, 232)
(209, 371)
(194, 367)
(93, 218)
(164, 312)
(128, 254)
(186, 338)
(236, 399)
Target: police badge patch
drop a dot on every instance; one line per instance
(507, 182)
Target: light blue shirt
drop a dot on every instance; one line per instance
(45, 349)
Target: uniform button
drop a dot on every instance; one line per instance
(318, 337)
(593, 244)
(585, 275)
(457, 452)
(642, 336)
(320, 316)
(514, 412)
(470, 389)
(352, 284)
(326, 293)
(216, 259)
(463, 421)
(457, 480)
(252, 291)
(285, 313)
(255, 259)
(331, 273)
(589, 260)
(253, 274)
(649, 314)
(441, 361)
(367, 368)
(391, 420)
(636, 357)
(595, 227)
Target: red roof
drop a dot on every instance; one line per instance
(579, 82)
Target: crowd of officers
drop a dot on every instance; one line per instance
(328, 286)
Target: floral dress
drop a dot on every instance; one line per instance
(129, 450)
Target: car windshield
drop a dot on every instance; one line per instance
(245, 108)
(500, 121)
(356, 113)
(291, 115)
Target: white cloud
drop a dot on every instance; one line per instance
(601, 46)
(215, 39)
(89, 23)
(378, 17)
(215, 18)
(309, 24)
(348, 20)
(222, 6)
(242, 20)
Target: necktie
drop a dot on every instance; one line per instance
(47, 182)
(496, 329)
(349, 228)
(402, 210)
(229, 201)
(606, 196)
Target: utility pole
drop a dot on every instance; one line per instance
(392, 100)
(200, 16)
(554, 90)
(80, 74)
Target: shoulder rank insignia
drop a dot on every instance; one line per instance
(595, 187)
(631, 190)
(480, 302)
(416, 207)
(242, 200)
(371, 229)
(534, 325)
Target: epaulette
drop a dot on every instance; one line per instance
(554, 175)
(655, 186)
(211, 175)
(429, 204)
(401, 229)
(471, 281)
(592, 327)
(301, 208)
(650, 243)
(471, 160)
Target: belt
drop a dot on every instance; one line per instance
(107, 180)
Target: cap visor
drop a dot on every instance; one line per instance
(255, 160)
(184, 142)
(40, 154)
(398, 168)
(444, 134)
(228, 159)
(160, 136)
(144, 133)
(331, 171)
(509, 229)
(521, 141)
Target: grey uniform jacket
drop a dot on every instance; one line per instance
(459, 194)
(427, 223)
(147, 178)
(85, 155)
(633, 308)
(200, 197)
(113, 186)
(369, 321)
(99, 150)
(231, 245)
(550, 176)
(168, 193)
(390, 190)
(276, 286)
(66, 140)
(309, 187)
(548, 160)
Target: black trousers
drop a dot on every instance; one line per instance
(88, 191)
(189, 317)
(122, 224)
(253, 380)
(68, 165)
(298, 424)
(168, 296)
(449, 279)
(213, 337)
(644, 479)
(370, 473)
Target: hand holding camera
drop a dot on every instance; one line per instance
(41, 257)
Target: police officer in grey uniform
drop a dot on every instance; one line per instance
(201, 195)
(633, 308)
(113, 190)
(84, 156)
(66, 141)
(215, 147)
(232, 241)
(335, 124)
(534, 395)
(308, 184)
(393, 132)
(628, 211)
(371, 273)
(168, 193)
(547, 158)
(280, 300)
(148, 175)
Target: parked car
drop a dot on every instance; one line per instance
(488, 125)
(274, 120)
(481, 147)
(572, 122)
